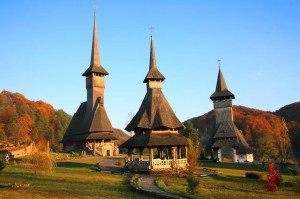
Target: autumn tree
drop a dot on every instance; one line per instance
(284, 143)
(193, 156)
(193, 144)
(22, 120)
(265, 148)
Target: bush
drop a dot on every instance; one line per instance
(253, 175)
(2, 164)
(41, 163)
(12, 162)
(273, 179)
(193, 183)
(166, 180)
(296, 185)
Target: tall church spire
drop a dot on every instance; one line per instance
(221, 83)
(153, 73)
(95, 58)
(152, 55)
(221, 88)
(95, 65)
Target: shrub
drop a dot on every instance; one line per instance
(272, 179)
(193, 183)
(253, 175)
(296, 185)
(166, 180)
(2, 164)
(41, 163)
(13, 162)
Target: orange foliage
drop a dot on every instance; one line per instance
(22, 120)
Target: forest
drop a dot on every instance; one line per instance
(23, 121)
(272, 135)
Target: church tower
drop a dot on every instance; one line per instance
(222, 99)
(95, 75)
(228, 139)
(90, 129)
(155, 127)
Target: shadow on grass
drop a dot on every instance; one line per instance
(74, 165)
(234, 179)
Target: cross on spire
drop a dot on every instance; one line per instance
(151, 29)
(219, 62)
(95, 7)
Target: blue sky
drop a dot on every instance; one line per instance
(45, 47)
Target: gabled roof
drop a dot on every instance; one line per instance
(221, 88)
(244, 147)
(153, 73)
(84, 125)
(95, 65)
(154, 113)
(155, 139)
(228, 129)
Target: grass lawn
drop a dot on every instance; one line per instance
(71, 179)
(231, 184)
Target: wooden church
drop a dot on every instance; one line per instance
(155, 127)
(90, 129)
(228, 139)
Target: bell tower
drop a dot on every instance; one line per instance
(95, 75)
(222, 99)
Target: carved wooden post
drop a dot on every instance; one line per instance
(141, 153)
(151, 156)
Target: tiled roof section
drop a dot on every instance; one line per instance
(221, 88)
(95, 65)
(155, 139)
(153, 73)
(154, 113)
(88, 125)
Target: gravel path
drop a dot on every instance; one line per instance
(147, 183)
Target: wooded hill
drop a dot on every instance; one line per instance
(23, 121)
(262, 130)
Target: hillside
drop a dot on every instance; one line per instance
(260, 129)
(291, 114)
(23, 121)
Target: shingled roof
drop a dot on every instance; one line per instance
(221, 88)
(86, 126)
(154, 113)
(95, 65)
(155, 139)
(153, 73)
(227, 129)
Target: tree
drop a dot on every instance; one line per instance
(193, 144)
(265, 148)
(284, 143)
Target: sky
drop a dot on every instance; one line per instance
(45, 46)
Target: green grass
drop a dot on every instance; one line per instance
(71, 179)
(231, 184)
